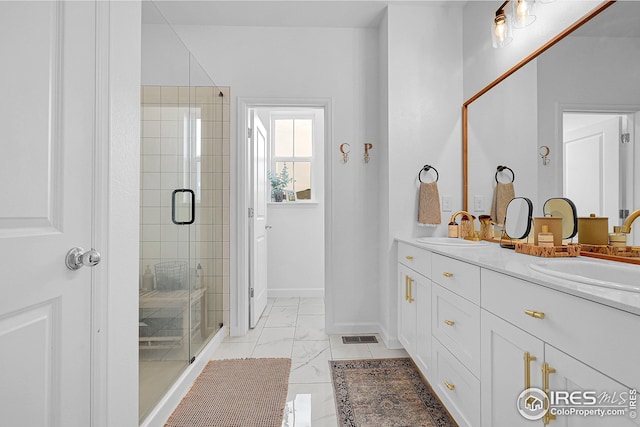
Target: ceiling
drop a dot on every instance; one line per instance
(280, 13)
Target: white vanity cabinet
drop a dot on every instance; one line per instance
(414, 305)
(439, 326)
(510, 362)
(491, 334)
(526, 327)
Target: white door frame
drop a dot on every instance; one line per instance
(114, 365)
(239, 286)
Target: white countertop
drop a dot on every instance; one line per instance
(507, 261)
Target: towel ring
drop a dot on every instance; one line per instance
(502, 168)
(426, 168)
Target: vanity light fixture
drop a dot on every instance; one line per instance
(523, 13)
(511, 14)
(501, 27)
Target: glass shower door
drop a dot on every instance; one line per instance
(184, 211)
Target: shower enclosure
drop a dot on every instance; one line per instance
(184, 210)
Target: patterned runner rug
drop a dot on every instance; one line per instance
(236, 392)
(384, 393)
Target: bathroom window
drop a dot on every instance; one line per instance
(292, 153)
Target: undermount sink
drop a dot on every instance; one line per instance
(448, 241)
(623, 277)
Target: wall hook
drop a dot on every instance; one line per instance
(367, 147)
(345, 153)
(544, 154)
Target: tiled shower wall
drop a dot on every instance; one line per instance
(167, 112)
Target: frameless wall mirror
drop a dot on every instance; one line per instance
(573, 96)
(565, 209)
(517, 222)
(183, 207)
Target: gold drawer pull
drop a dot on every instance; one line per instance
(528, 358)
(409, 257)
(410, 291)
(534, 314)
(406, 288)
(449, 322)
(546, 370)
(447, 274)
(449, 385)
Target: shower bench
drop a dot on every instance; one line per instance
(182, 300)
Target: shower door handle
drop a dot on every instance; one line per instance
(77, 258)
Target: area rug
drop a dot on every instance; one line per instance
(236, 393)
(385, 392)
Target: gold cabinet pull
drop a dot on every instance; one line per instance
(534, 314)
(447, 274)
(449, 322)
(409, 257)
(546, 370)
(449, 385)
(406, 287)
(410, 280)
(528, 358)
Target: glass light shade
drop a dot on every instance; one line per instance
(501, 30)
(522, 11)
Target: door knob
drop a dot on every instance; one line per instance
(267, 227)
(77, 257)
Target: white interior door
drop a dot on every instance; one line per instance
(591, 162)
(258, 222)
(47, 109)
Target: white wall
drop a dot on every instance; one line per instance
(304, 63)
(424, 83)
(165, 59)
(483, 63)
(503, 130)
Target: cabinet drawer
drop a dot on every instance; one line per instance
(415, 258)
(597, 335)
(457, 276)
(456, 387)
(456, 323)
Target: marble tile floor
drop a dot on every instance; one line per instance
(294, 327)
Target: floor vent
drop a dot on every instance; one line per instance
(360, 339)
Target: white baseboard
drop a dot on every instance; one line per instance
(391, 341)
(296, 293)
(353, 328)
(169, 402)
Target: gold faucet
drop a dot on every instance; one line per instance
(626, 226)
(474, 234)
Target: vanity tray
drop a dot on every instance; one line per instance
(548, 251)
(628, 254)
(627, 251)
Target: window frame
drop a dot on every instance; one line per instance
(273, 159)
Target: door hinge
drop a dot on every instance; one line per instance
(625, 138)
(250, 212)
(251, 292)
(624, 213)
(249, 133)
